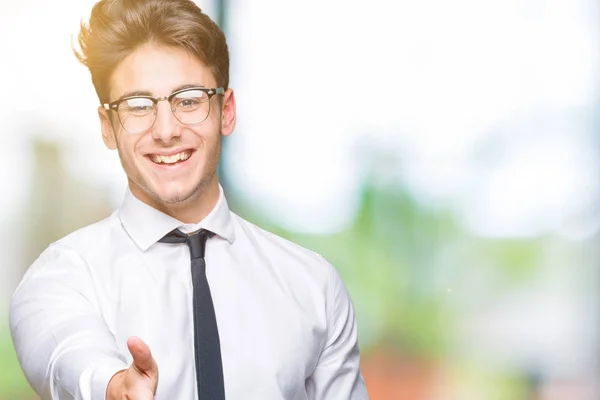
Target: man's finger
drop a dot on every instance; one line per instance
(142, 357)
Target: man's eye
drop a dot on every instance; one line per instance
(137, 106)
(140, 108)
(189, 102)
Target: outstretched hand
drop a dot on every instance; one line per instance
(139, 381)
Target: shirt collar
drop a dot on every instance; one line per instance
(146, 225)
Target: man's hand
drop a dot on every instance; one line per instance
(139, 381)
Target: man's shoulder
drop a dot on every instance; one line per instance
(92, 236)
(308, 273)
(274, 243)
(73, 251)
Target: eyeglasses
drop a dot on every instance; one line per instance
(138, 113)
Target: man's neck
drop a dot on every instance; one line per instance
(192, 210)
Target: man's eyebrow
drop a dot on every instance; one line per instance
(136, 93)
(150, 94)
(187, 86)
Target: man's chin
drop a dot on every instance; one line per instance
(173, 195)
(174, 199)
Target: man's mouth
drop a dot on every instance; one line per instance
(170, 159)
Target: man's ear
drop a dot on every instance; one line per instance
(228, 114)
(108, 132)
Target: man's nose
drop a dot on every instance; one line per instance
(166, 126)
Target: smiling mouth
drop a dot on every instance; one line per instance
(171, 159)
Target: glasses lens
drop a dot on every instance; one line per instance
(191, 106)
(137, 114)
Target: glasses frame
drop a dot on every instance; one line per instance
(114, 106)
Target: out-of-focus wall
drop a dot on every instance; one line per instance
(443, 155)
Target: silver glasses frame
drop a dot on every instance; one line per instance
(114, 106)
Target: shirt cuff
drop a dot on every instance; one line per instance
(100, 375)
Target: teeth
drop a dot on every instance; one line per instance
(171, 159)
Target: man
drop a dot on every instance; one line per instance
(174, 296)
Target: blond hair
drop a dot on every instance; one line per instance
(118, 27)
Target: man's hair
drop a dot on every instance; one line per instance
(118, 27)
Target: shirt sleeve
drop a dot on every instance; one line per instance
(65, 348)
(337, 374)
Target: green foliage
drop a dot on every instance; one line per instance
(13, 384)
(517, 258)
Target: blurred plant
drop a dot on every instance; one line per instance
(13, 384)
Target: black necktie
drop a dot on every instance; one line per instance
(209, 367)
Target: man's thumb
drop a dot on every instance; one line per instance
(142, 357)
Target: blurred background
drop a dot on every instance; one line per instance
(443, 155)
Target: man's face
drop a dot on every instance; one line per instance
(170, 164)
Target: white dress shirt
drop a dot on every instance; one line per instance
(286, 323)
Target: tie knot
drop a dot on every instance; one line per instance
(196, 241)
